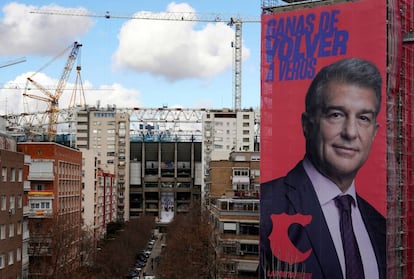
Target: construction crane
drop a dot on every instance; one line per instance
(13, 62)
(230, 20)
(52, 98)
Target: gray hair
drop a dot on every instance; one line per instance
(350, 71)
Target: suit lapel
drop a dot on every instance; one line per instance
(374, 224)
(304, 200)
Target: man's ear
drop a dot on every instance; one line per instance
(377, 125)
(306, 122)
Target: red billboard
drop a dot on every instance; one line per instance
(295, 45)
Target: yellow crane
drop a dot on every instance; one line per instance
(52, 98)
(231, 20)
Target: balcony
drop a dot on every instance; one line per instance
(46, 175)
(26, 185)
(40, 193)
(40, 204)
(40, 213)
(26, 210)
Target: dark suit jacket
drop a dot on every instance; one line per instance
(294, 194)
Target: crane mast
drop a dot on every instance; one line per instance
(53, 98)
(235, 21)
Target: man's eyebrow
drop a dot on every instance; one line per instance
(326, 109)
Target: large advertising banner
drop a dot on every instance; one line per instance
(296, 44)
(167, 207)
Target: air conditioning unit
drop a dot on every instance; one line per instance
(11, 211)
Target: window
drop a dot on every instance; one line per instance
(39, 187)
(4, 174)
(12, 202)
(18, 254)
(249, 229)
(19, 201)
(11, 257)
(229, 228)
(12, 175)
(110, 146)
(20, 178)
(11, 230)
(2, 231)
(26, 226)
(39, 204)
(2, 261)
(250, 249)
(19, 228)
(229, 249)
(3, 202)
(240, 172)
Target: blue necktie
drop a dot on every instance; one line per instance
(353, 262)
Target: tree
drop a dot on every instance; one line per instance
(54, 246)
(118, 254)
(188, 253)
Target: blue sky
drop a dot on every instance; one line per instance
(130, 62)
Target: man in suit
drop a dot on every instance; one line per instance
(300, 229)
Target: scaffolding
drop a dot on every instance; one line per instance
(400, 86)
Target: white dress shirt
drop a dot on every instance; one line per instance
(326, 191)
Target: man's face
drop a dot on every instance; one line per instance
(341, 132)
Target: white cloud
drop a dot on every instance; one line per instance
(115, 94)
(175, 49)
(12, 100)
(29, 33)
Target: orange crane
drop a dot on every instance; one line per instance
(52, 98)
(231, 20)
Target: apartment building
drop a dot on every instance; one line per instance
(106, 131)
(225, 131)
(11, 209)
(165, 178)
(92, 195)
(54, 202)
(233, 201)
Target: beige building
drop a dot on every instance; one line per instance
(93, 201)
(225, 131)
(106, 131)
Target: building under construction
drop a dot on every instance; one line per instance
(391, 43)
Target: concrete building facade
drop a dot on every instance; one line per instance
(165, 178)
(93, 201)
(106, 131)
